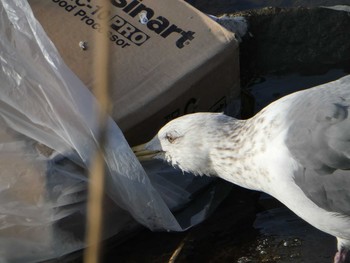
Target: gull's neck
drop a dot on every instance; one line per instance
(245, 156)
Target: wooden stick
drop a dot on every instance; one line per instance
(177, 251)
(97, 171)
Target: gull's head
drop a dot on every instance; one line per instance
(185, 142)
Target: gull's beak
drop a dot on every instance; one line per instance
(144, 154)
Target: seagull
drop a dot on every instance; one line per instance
(297, 149)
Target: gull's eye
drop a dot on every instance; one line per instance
(170, 138)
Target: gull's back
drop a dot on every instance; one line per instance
(317, 137)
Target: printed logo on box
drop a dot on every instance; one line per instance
(122, 32)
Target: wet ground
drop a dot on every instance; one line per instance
(247, 227)
(284, 237)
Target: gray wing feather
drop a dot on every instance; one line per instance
(319, 139)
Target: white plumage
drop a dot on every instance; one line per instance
(297, 149)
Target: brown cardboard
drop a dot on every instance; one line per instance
(167, 57)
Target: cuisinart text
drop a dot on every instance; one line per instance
(122, 31)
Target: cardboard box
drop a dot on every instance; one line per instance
(168, 58)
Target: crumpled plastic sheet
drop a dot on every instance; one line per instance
(47, 135)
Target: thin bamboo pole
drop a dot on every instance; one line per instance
(97, 170)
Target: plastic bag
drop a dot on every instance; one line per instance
(47, 135)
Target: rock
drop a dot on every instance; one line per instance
(218, 7)
(303, 40)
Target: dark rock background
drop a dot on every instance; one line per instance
(294, 40)
(219, 7)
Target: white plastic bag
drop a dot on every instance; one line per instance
(43, 192)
